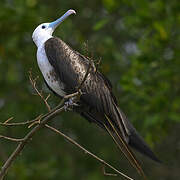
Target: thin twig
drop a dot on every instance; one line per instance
(44, 119)
(105, 173)
(85, 77)
(21, 123)
(11, 139)
(86, 48)
(87, 152)
(37, 121)
(71, 95)
(40, 122)
(33, 83)
(98, 64)
(90, 65)
(26, 139)
(9, 119)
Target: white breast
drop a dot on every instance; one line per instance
(48, 72)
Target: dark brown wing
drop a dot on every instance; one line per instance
(71, 68)
(98, 99)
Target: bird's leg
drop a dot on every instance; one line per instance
(68, 105)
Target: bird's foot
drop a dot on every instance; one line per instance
(68, 105)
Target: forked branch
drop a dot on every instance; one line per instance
(40, 122)
(89, 153)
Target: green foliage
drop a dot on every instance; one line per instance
(139, 43)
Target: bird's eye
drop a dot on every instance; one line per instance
(43, 27)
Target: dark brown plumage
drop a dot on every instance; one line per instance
(97, 104)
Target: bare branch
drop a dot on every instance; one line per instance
(88, 152)
(105, 173)
(21, 123)
(33, 83)
(36, 121)
(21, 145)
(11, 139)
(85, 77)
(9, 119)
(98, 64)
(42, 120)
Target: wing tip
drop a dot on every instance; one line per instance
(136, 142)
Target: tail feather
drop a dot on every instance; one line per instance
(137, 142)
(122, 145)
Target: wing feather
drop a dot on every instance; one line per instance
(101, 104)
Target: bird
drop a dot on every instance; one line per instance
(63, 70)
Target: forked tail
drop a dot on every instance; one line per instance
(123, 146)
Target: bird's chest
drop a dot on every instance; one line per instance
(49, 74)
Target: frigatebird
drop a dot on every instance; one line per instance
(64, 68)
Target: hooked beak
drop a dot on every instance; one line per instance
(54, 24)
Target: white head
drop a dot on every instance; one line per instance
(44, 31)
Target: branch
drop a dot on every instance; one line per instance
(21, 123)
(26, 139)
(33, 83)
(11, 139)
(98, 64)
(41, 121)
(107, 174)
(89, 153)
(85, 77)
(89, 56)
(44, 119)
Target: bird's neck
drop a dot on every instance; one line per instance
(41, 39)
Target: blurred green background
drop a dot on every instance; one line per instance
(139, 43)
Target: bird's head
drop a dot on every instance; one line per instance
(44, 31)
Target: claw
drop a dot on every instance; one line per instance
(68, 105)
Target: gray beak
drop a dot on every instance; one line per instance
(54, 24)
